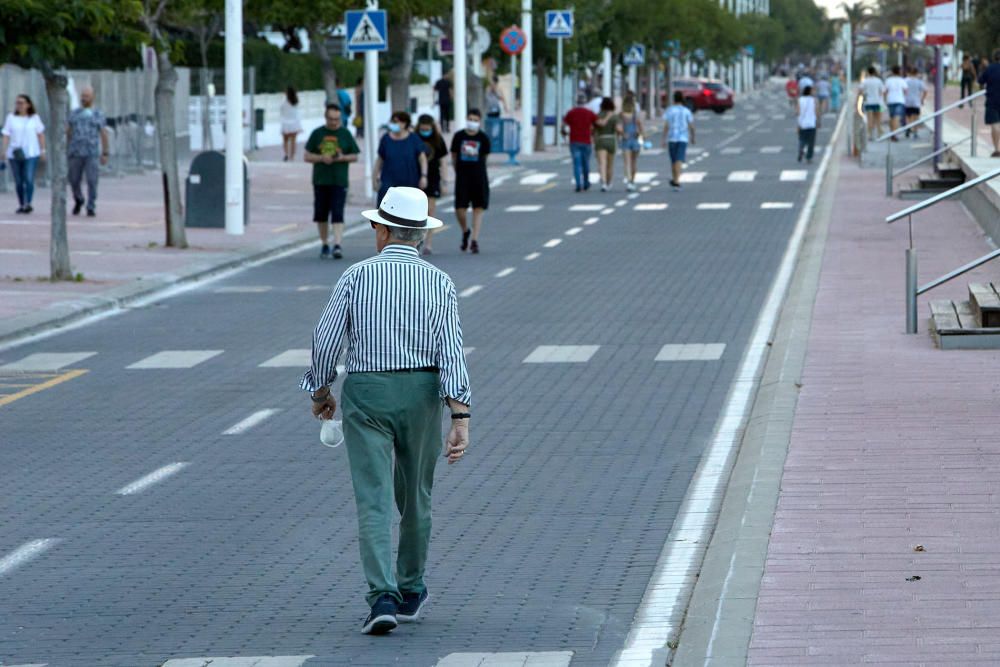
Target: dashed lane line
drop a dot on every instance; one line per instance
(586, 207)
(742, 176)
(530, 257)
(573, 231)
(770, 149)
(693, 177)
(732, 150)
(607, 211)
(151, 479)
(691, 352)
(591, 221)
(505, 659)
(540, 178)
(243, 661)
(242, 289)
(776, 204)
(794, 175)
(524, 208)
(174, 359)
(469, 291)
(714, 206)
(660, 206)
(552, 243)
(561, 354)
(246, 424)
(505, 272)
(24, 553)
(621, 202)
(632, 195)
(47, 361)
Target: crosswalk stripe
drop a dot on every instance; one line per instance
(650, 207)
(24, 553)
(523, 208)
(47, 361)
(532, 256)
(643, 177)
(298, 358)
(794, 175)
(770, 149)
(691, 352)
(776, 204)
(557, 354)
(744, 176)
(732, 150)
(175, 359)
(506, 272)
(469, 291)
(591, 221)
(714, 206)
(540, 178)
(586, 207)
(573, 231)
(248, 661)
(152, 478)
(251, 421)
(693, 177)
(552, 243)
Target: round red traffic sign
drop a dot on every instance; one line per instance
(512, 40)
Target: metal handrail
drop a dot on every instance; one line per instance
(915, 163)
(912, 290)
(924, 119)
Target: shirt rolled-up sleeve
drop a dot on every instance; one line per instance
(451, 355)
(328, 338)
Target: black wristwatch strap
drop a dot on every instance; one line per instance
(320, 399)
(461, 415)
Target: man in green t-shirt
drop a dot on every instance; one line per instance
(330, 149)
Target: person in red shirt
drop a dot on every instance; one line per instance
(578, 123)
(792, 88)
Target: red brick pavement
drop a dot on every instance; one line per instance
(894, 445)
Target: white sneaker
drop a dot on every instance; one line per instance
(604, 187)
(630, 187)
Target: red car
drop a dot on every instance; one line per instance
(705, 94)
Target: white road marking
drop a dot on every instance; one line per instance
(552, 243)
(652, 151)
(732, 150)
(468, 350)
(532, 256)
(559, 354)
(621, 202)
(251, 421)
(528, 659)
(247, 661)
(573, 231)
(152, 478)
(523, 208)
(469, 291)
(655, 183)
(691, 352)
(540, 178)
(591, 221)
(506, 272)
(770, 149)
(24, 553)
(586, 207)
(240, 289)
(714, 206)
(645, 188)
(794, 175)
(744, 176)
(650, 207)
(643, 177)
(776, 204)
(693, 177)
(449, 209)
(175, 359)
(779, 116)
(607, 211)
(300, 358)
(499, 180)
(47, 361)
(311, 288)
(632, 195)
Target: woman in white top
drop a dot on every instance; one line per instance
(23, 145)
(805, 108)
(872, 90)
(291, 124)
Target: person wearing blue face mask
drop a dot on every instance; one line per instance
(401, 160)
(436, 151)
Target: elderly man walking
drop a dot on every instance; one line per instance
(88, 145)
(398, 317)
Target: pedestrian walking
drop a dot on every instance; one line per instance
(895, 99)
(443, 89)
(359, 117)
(792, 91)
(578, 124)
(678, 131)
(397, 317)
(495, 102)
(631, 139)
(344, 102)
(469, 149)
(436, 151)
(969, 76)
(291, 122)
(330, 149)
(990, 78)
(823, 91)
(401, 158)
(87, 150)
(807, 121)
(872, 90)
(607, 130)
(916, 93)
(23, 145)
(806, 81)
(836, 92)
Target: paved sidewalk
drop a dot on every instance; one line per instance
(885, 539)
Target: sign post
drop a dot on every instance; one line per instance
(512, 42)
(527, 62)
(635, 56)
(559, 26)
(368, 33)
(940, 26)
(234, 118)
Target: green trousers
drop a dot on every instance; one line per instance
(387, 414)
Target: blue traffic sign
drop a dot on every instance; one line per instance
(636, 55)
(559, 23)
(367, 30)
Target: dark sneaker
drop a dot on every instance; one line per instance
(337, 252)
(382, 618)
(91, 213)
(28, 209)
(465, 240)
(474, 247)
(325, 252)
(77, 206)
(20, 209)
(411, 606)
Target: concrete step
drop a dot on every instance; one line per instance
(954, 326)
(985, 303)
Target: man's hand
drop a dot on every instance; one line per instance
(104, 159)
(326, 409)
(422, 183)
(457, 441)
(327, 159)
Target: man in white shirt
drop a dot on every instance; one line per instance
(895, 99)
(678, 131)
(871, 92)
(916, 93)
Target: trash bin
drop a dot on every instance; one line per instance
(258, 120)
(205, 191)
(505, 137)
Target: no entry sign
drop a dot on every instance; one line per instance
(512, 40)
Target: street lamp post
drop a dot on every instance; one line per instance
(371, 105)
(527, 131)
(461, 62)
(234, 117)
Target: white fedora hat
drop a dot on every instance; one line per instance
(403, 207)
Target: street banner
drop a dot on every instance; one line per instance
(940, 21)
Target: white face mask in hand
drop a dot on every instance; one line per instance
(472, 125)
(332, 433)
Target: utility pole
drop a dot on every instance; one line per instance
(234, 117)
(606, 79)
(527, 62)
(371, 105)
(461, 62)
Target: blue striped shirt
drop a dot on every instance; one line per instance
(393, 311)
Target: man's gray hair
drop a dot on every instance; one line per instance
(407, 234)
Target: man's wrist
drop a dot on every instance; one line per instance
(320, 395)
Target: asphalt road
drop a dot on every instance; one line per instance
(546, 535)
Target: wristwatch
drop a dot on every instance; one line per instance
(461, 415)
(320, 399)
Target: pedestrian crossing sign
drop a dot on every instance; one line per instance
(559, 23)
(366, 30)
(636, 55)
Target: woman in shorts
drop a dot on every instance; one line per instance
(631, 139)
(436, 150)
(291, 123)
(607, 129)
